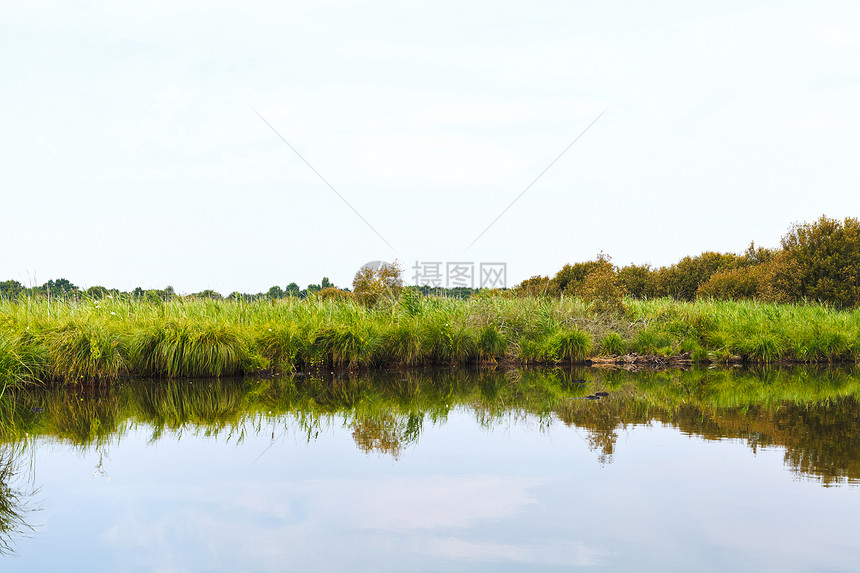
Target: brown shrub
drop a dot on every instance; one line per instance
(734, 284)
(638, 281)
(334, 293)
(535, 286)
(602, 290)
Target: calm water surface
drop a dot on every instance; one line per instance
(447, 471)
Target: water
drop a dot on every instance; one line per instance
(440, 472)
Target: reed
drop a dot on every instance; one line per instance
(87, 340)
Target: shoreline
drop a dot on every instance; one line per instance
(105, 340)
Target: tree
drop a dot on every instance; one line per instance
(602, 290)
(683, 279)
(97, 292)
(637, 280)
(571, 277)
(10, 289)
(59, 288)
(208, 293)
(825, 257)
(275, 293)
(534, 286)
(292, 290)
(735, 284)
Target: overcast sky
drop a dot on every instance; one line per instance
(132, 152)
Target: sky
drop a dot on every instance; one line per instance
(236, 146)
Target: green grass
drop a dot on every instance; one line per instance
(112, 339)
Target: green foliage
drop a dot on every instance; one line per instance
(97, 292)
(292, 290)
(186, 349)
(104, 340)
(682, 280)
(208, 293)
(85, 350)
(492, 344)
(825, 260)
(573, 345)
(59, 288)
(152, 297)
(638, 281)
(410, 302)
(21, 362)
(612, 345)
(11, 289)
(757, 255)
(735, 284)
(535, 286)
(571, 277)
(333, 293)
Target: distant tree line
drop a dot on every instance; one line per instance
(817, 262)
(64, 289)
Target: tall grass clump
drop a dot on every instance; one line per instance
(21, 361)
(555, 344)
(80, 350)
(612, 344)
(185, 349)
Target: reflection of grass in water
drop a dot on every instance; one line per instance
(210, 404)
(14, 500)
(802, 409)
(86, 417)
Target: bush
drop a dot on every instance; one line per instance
(571, 277)
(602, 290)
(734, 284)
(535, 286)
(780, 280)
(638, 281)
(682, 280)
(823, 262)
(612, 344)
(334, 293)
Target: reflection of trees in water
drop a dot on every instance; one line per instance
(810, 413)
(15, 495)
(820, 439)
(387, 433)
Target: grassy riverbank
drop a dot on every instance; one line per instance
(109, 339)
